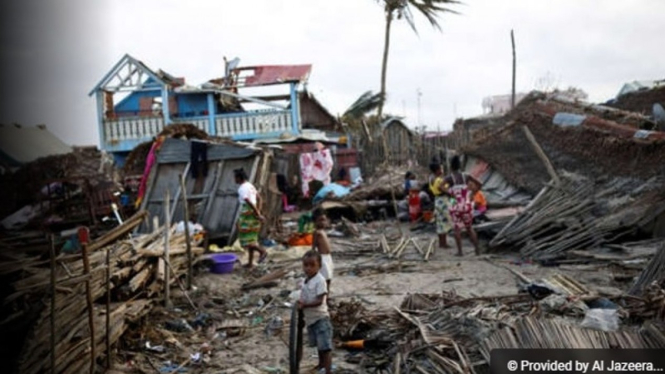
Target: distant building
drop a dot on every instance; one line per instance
(500, 104)
(635, 86)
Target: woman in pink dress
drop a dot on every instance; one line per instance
(461, 207)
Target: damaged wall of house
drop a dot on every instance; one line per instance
(212, 195)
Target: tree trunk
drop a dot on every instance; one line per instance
(384, 65)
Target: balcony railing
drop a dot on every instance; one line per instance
(124, 133)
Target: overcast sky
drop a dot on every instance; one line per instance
(52, 57)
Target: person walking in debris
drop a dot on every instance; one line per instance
(321, 244)
(249, 222)
(442, 217)
(461, 209)
(312, 302)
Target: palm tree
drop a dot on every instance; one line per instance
(402, 8)
(366, 103)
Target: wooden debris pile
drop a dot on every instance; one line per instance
(653, 273)
(447, 333)
(550, 333)
(352, 320)
(650, 304)
(135, 272)
(23, 186)
(386, 181)
(576, 214)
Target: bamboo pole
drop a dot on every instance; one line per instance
(167, 273)
(386, 152)
(108, 308)
(512, 97)
(541, 154)
(52, 340)
(190, 269)
(91, 311)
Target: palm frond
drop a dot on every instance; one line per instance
(409, 18)
(432, 9)
(366, 103)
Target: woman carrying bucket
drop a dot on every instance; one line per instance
(249, 222)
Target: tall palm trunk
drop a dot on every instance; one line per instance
(384, 65)
(384, 68)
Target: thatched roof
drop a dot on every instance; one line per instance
(640, 101)
(598, 148)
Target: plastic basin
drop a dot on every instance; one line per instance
(222, 263)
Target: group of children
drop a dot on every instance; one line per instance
(458, 202)
(318, 265)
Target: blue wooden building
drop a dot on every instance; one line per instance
(134, 103)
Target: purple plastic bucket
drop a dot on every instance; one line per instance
(222, 263)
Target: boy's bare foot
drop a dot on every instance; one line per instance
(248, 266)
(459, 254)
(263, 257)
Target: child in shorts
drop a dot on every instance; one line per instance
(315, 310)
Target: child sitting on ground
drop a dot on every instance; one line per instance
(479, 201)
(312, 302)
(321, 244)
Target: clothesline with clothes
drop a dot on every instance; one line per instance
(315, 165)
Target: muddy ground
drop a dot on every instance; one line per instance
(234, 337)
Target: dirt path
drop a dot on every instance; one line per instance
(267, 351)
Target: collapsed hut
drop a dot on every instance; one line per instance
(209, 184)
(593, 180)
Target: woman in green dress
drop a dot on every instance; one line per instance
(249, 222)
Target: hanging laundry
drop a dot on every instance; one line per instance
(199, 159)
(315, 166)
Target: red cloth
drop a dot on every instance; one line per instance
(149, 162)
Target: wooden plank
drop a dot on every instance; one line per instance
(541, 154)
(178, 191)
(52, 354)
(213, 189)
(91, 310)
(167, 273)
(188, 242)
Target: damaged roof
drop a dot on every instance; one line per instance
(23, 144)
(265, 75)
(595, 147)
(275, 74)
(641, 101)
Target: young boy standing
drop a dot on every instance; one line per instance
(321, 243)
(315, 309)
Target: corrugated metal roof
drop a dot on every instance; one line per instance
(275, 74)
(398, 120)
(23, 144)
(178, 150)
